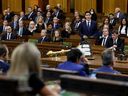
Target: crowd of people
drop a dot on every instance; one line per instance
(52, 24)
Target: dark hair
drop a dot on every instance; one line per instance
(115, 31)
(106, 17)
(87, 12)
(107, 57)
(73, 55)
(122, 24)
(3, 50)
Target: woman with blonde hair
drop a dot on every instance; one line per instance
(32, 27)
(66, 32)
(25, 67)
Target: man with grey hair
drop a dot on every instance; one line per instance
(43, 37)
(108, 62)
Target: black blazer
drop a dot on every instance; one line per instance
(46, 39)
(25, 31)
(4, 36)
(120, 45)
(108, 43)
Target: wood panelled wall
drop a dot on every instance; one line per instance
(110, 5)
(80, 5)
(84, 5)
(62, 2)
(15, 5)
(30, 3)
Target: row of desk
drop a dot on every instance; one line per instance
(94, 62)
(54, 61)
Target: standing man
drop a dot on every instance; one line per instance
(88, 28)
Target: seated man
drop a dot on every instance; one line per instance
(9, 35)
(3, 57)
(43, 37)
(74, 57)
(108, 62)
(104, 39)
(118, 43)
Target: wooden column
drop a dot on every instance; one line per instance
(23, 5)
(0, 6)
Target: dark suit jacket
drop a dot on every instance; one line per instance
(121, 15)
(120, 45)
(40, 27)
(31, 17)
(57, 26)
(60, 15)
(25, 31)
(65, 34)
(108, 43)
(7, 17)
(113, 23)
(46, 39)
(12, 24)
(84, 30)
(4, 36)
(1, 29)
(4, 66)
(22, 18)
(46, 20)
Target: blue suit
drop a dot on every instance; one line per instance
(46, 39)
(88, 31)
(72, 67)
(4, 66)
(106, 69)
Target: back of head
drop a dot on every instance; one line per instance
(3, 51)
(25, 60)
(108, 57)
(74, 55)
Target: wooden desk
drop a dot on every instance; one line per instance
(119, 65)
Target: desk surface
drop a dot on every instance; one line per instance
(121, 66)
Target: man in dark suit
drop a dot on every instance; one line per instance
(7, 16)
(118, 43)
(112, 19)
(104, 39)
(58, 13)
(88, 28)
(21, 30)
(48, 18)
(22, 16)
(9, 35)
(14, 23)
(3, 57)
(43, 37)
(56, 24)
(31, 14)
(76, 24)
(3, 27)
(118, 14)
